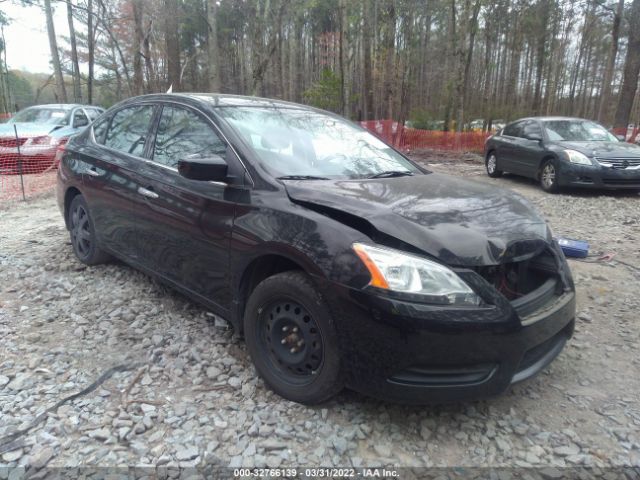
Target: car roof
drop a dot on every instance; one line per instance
(552, 117)
(62, 106)
(221, 100)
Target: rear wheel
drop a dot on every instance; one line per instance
(292, 340)
(83, 235)
(491, 164)
(549, 177)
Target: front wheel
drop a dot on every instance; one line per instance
(549, 177)
(491, 164)
(292, 340)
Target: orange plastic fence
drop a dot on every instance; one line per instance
(408, 139)
(28, 164)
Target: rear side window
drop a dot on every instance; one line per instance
(182, 133)
(128, 130)
(513, 130)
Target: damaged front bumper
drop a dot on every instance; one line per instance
(417, 353)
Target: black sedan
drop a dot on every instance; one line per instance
(342, 262)
(562, 151)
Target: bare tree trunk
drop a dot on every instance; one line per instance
(603, 108)
(367, 83)
(61, 91)
(631, 69)
(212, 48)
(138, 38)
(77, 91)
(90, 50)
(172, 43)
(540, 54)
(152, 81)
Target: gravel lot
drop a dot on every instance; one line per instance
(191, 395)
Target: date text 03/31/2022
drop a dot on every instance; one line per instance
(320, 472)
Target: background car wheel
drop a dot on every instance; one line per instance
(549, 177)
(82, 232)
(491, 163)
(292, 340)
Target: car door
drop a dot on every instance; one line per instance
(184, 226)
(108, 158)
(506, 146)
(528, 149)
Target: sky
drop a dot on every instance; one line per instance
(26, 36)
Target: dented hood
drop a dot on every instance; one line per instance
(460, 222)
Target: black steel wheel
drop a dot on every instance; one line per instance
(82, 232)
(291, 338)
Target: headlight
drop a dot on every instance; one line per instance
(409, 274)
(576, 157)
(45, 140)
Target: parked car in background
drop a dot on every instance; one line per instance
(40, 131)
(563, 151)
(341, 261)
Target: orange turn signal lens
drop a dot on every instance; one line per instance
(377, 279)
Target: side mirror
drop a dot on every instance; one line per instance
(195, 167)
(536, 137)
(622, 138)
(80, 122)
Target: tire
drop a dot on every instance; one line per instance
(491, 164)
(549, 176)
(83, 234)
(292, 340)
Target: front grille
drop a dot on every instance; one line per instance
(619, 163)
(11, 142)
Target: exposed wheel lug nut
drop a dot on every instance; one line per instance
(295, 329)
(293, 350)
(285, 329)
(283, 341)
(301, 343)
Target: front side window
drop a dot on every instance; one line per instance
(577, 131)
(300, 142)
(183, 133)
(128, 130)
(531, 128)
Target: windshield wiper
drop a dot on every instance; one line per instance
(301, 177)
(392, 173)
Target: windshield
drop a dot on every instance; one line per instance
(298, 142)
(577, 131)
(50, 116)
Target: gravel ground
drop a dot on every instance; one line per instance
(188, 393)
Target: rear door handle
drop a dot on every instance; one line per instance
(92, 171)
(147, 193)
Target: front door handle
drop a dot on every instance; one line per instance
(92, 171)
(147, 193)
